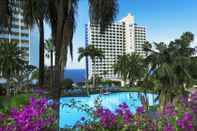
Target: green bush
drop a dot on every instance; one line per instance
(67, 83)
(153, 108)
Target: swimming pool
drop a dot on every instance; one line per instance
(69, 116)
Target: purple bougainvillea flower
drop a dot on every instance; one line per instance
(169, 110)
(30, 117)
(168, 127)
(107, 118)
(185, 122)
(140, 109)
(2, 116)
(124, 112)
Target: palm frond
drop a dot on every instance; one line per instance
(102, 12)
(6, 14)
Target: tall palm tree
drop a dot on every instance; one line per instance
(136, 70)
(171, 65)
(61, 15)
(50, 48)
(121, 67)
(12, 63)
(130, 67)
(34, 12)
(93, 53)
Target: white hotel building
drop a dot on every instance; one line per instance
(119, 38)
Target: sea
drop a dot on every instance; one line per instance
(77, 75)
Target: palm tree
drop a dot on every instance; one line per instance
(34, 12)
(136, 70)
(61, 16)
(105, 74)
(12, 63)
(147, 47)
(130, 67)
(62, 19)
(93, 53)
(171, 67)
(50, 48)
(121, 67)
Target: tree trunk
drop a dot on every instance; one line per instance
(58, 41)
(93, 75)
(41, 55)
(51, 84)
(162, 100)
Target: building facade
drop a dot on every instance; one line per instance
(119, 38)
(19, 33)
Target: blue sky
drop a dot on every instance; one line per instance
(165, 20)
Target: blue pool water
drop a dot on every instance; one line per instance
(69, 116)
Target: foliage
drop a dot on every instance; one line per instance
(93, 53)
(121, 66)
(130, 67)
(170, 65)
(35, 75)
(34, 13)
(7, 103)
(67, 83)
(137, 89)
(170, 119)
(47, 76)
(12, 63)
(136, 68)
(6, 13)
(36, 115)
(111, 82)
(193, 68)
(50, 53)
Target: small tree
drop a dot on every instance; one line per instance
(121, 67)
(93, 53)
(130, 67)
(136, 70)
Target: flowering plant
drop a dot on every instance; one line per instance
(170, 119)
(36, 115)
